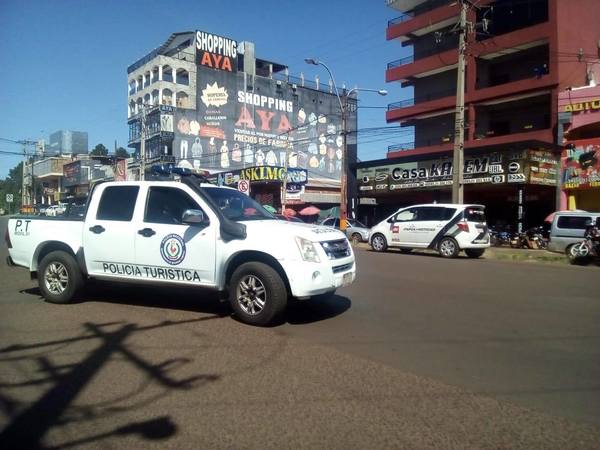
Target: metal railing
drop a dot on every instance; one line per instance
(400, 19)
(420, 99)
(435, 50)
(401, 147)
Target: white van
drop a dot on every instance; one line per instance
(568, 228)
(447, 228)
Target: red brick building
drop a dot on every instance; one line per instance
(515, 68)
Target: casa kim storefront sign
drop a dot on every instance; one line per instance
(524, 167)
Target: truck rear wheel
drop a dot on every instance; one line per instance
(257, 294)
(59, 277)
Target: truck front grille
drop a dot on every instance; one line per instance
(336, 249)
(342, 268)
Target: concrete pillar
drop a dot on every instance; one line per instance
(174, 72)
(137, 85)
(159, 73)
(160, 95)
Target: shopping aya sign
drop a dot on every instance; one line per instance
(215, 51)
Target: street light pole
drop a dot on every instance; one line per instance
(344, 132)
(458, 156)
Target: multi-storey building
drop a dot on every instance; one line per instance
(66, 142)
(520, 54)
(209, 103)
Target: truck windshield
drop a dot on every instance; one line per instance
(237, 206)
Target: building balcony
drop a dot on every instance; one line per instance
(535, 137)
(405, 68)
(411, 24)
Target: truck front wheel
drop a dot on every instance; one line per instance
(257, 294)
(59, 277)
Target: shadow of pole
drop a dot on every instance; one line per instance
(28, 428)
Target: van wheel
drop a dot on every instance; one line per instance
(379, 243)
(474, 252)
(59, 277)
(356, 238)
(448, 247)
(257, 294)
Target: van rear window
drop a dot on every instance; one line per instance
(573, 222)
(475, 215)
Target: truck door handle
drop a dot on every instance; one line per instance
(147, 232)
(97, 229)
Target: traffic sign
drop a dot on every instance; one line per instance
(9, 198)
(244, 187)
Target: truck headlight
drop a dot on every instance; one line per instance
(307, 250)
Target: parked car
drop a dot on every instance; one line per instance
(356, 231)
(446, 228)
(175, 233)
(568, 228)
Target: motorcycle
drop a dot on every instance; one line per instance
(520, 240)
(499, 238)
(536, 238)
(583, 252)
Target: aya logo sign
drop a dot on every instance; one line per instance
(172, 249)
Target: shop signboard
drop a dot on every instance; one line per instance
(72, 174)
(293, 177)
(581, 165)
(495, 168)
(242, 121)
(216, 52)
(543, 167)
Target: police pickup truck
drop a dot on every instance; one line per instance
(183, 232)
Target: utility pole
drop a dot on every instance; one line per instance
(143, 144)
(459, 124)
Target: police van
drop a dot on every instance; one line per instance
(446, 228)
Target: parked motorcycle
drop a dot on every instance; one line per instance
(588, 249)
(536, 238)
(520, 240)
(499, 238)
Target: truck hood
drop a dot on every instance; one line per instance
(281, 228)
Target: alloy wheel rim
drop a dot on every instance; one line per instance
(378, 243)
(447, 248)
(251, 295)
(56, 278)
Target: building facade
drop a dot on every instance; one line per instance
(208, 103)
(520, 55)
(579, 122)
(66, 142)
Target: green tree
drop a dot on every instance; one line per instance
(12, 184)
(99, 150)
(121, 153)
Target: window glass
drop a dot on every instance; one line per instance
(406, 216)
(117, 203)
(356, 223)
(237, 206)
(475, 215)
(167, 205)
(574, 222)
(430, 213)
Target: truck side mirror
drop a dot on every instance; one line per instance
(194, 217)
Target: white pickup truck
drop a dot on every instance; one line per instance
(184, 232)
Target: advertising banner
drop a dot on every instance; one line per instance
(72, 174)
(243, 121)
(581, 165)
(293, 177)
(493, 168)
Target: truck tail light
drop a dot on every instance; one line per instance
(463, 226)
(7, 239)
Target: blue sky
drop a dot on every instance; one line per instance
(65, 61)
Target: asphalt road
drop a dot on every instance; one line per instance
(419, 353)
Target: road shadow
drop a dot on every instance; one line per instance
(301, 312)
(30, 422)
(176, 298)
(199, 300)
